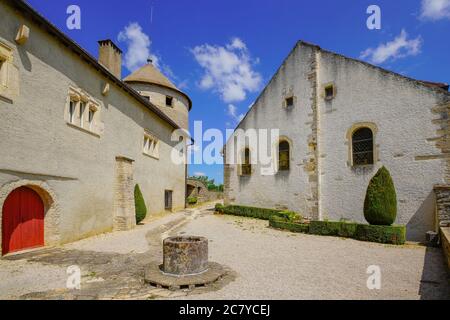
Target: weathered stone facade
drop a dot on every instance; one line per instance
(322, 181)
(70, 157)
(197, 189)
(442, 205)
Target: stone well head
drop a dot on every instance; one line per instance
(185, 255)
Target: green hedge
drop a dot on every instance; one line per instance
(382, 234)
(363, 232)
(251, 212)
(333, 228)
(287, 221)
(280, 223)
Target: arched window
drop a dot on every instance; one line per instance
(362, 147)
(246, 167)
(283, 156)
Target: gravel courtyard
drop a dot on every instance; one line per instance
(265, 264)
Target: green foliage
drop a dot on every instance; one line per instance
(381, 234)
(219, 207)
(333, 228)
(363, 232)
(289, 216)
(192, 200)
(139, 203)
(380, 205)
(210, 183)
(278, 222)
(251, 212)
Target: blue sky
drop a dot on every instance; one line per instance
(222, 53)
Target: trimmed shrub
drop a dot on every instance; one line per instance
(219, 207)
(280, 223)
(251, 212)
(289, 216)
(381, 234)
(139, 203)
(380, 205)
(333, 228)
(192, 200)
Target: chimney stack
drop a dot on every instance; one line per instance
(110, 56)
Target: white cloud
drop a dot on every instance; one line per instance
(228, 70)
(400, 47)
(138, 47)
(233, 113)
(199, 174)
(435, 9)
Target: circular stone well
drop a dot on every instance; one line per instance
(185, 255)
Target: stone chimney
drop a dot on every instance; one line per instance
(110, 56)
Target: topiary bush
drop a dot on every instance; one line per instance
(139, 203)
(192, 200)
(380, 205)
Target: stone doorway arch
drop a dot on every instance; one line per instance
(51, 207)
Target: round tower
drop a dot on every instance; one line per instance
(161, 92)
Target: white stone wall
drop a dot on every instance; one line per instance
(38, 144)
(402, 112)
(407, 133)
(290, 190)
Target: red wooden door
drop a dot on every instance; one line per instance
(23, 221)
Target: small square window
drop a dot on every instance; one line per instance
(169, 101)
(289, 102)
(329, 92)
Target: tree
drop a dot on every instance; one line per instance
(139, 203)
(380, 205)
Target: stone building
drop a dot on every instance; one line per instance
(199, 190)
(76, 139)
(340, 120)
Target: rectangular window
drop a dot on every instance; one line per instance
(151, 146)
(168, 199)
(329, 92)
(169, 101)
(289, 102)
(3, 73)
(72, 107)
(91, 118)
(82, 109)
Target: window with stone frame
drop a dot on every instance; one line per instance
(3, 73)
(362, 147)
(329, 92)
(246, 166)
(151, 146)
(284, 156)
(91, 118)
(72, 110)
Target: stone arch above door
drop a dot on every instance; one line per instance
(51, 207)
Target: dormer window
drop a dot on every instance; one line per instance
(169, 101)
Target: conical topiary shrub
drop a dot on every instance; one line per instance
(380, 205)
(139, 203)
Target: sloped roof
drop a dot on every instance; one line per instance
(150, 74)
(26, 10)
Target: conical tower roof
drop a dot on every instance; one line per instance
(150, 74)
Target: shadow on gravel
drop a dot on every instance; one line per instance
(435, 281)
